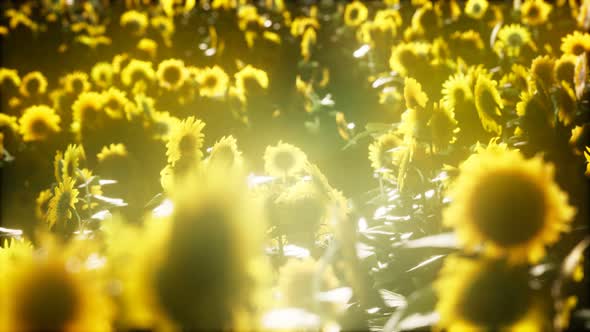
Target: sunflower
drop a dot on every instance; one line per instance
(38, 122)
(307, 41)
(148, 46)
(508, 203)
(476, 9)
(426, 19)
(535, 12)
(120, 61)
(134, 21)
(565, 68)
(165, 26)
(102, 74)
(76, 82)
(42, 204)
(283, 160)
(116, 104)
(249, 78)
(9, 75)
(472, 297)
(8, 123)
(443, 126)
(414, 96)
(405, 56)
(213, 82)
(137, 71)
(456, 91)
(566, 103)
(185, 141)
(33, 84)
(171, 74)
(45, 293)
(534, 112)
(162, 124)
(86, 110)
(382, 153)
(575, 43)
(355, 13)
(62, 202)
(111, 151)
(543, 70)
(488, 104)
(225, 153)
(68, 163)
(511, 39)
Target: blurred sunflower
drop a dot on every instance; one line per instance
(382, 153)
(414, 96)
(148, 46)
(67, 164)
(511, 39)
(489, 104)
(33, 84)
(186, 141)
(62, 202)
(171, 74)
(355, 13)
(456, 90)
(476, 9)
(308, 39)
(102, 74)
(575, 43)
(283, 160)
(225, 153)
(137, 71)
(534, 112)
(135, 22)
(566, 103)
(45, 293)
(213, 82)
(472, 297)
(443, 126)
(9, 76)
(426, 19)
(42, 204)
(86, 110)
(543, 70)
(38, 122)
(76, 82)
(165, 27)
(8, 123)
(508, 203)
(407, 55)
(162, 124)
(565, 68)
(111, 151)
(248, 79)
(116, 104)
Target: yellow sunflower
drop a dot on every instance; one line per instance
(307, 41)
(171, 74)
(165, 27)
(443, 126)
(62, 202)
(406, 55)
(456, 90)
(213, 82)
(102, 74)
(8, 122)
(53, 292)
(137, 71)
(9, 75)
(38, 122)
(119, 62)
(565, 68)
(283, 160)
(476, 9)
(535, 12)
(511, 39)
(86, 110)
(414, 96)
(566, 103)
(161, 125)
(33, 84)
(136, 22)
(76, 82)
(248, 78)
(508, 203)
(225, 153)
(67, 164)
(488, 104)
(382, 153)
(472, 296)
(42, 204)
(117, 105)
(543, 70)
(355, 13)
(111, 151)
(148, 46)
(534, 111)
(186, 141)
(575, 43)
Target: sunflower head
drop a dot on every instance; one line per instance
(509, 204)
(456, 91)
(102, 74)
(171, 74)
(535, 12)
(534, 112)
(148, 46)
(33, 84)
(135, 22)
(116, 104)
(382, 153)
(443, 126)
(283, 160)
(68, 163)
(488, 103)
(39, 122)
(137, 71)
(250, 79)
(87, 110)
(414, 96)
(9, 77)
(408, 56)
(476, 9)
(355, 13)
(42, 204)
(566, 103)
(213, 82)
(512, 39)
(112, 152)
(472, 296)
(225, 153)
(565, 68)
(543, 70)
(63, 202)
(185, 141)
(76, 83)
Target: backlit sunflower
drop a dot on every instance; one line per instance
(62, 202)
(137, 71)
(162, 124)
(148, 46)
(575, 43)
(186, 141)
(414, 96)
(534, 112)
(283, 160)
(38, 122)
(213, 82)
(476, 9)
(42, 204)
(46, 293)
(456, 91)
(102, 74)
(382, 153)
(535, 12)
(443, 126)
(249, 79)
(565, 67)
(116, 104)
(508, 203)
(355, 13)
(472, 297)
(171, 74)
(426, 19)
(67, 164)
(566, 103)
(76, 82)
(488, 104)
(165, 27)
(405, 56)
(225, 153)
(9, 76)
(86, 110)
(542, 69)
(511, 39)
(33, 84)
(135, 22)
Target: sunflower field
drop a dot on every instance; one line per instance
(305, 165)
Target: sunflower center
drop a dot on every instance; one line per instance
(476, 9)
(210, 81)
(50, 302)
(407, 58)
(77, 86)
(33, 86)
(172, 75)
(509, 208)
(533, 12)
(578, 49)
(187, 145)
(138, 75)
(284, 160)
(39, 127)
(515, 40)
(353, 14)
(483, 304)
